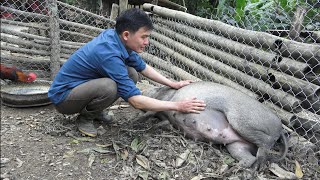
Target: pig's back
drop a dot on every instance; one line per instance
(246, 115)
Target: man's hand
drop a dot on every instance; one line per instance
(180, 84)
(191, 106)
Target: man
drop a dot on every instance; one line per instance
(105, 68)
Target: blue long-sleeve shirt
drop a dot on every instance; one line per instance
(104, 56)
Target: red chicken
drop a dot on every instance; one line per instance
(15, 74)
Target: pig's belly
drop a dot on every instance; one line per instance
(209, 125)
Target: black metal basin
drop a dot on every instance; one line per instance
(25, 94)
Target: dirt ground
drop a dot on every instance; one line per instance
(39, 143)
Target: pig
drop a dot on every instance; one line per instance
(246, 127)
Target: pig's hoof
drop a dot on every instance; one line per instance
(261, 159)
(247, 163)
(259, 165)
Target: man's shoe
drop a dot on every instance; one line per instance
(85, 125)
(104, 117)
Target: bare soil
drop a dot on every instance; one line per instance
(39, 143)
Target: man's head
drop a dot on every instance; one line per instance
(134, 28)
(132, 20)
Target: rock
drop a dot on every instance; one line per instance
(4, 160)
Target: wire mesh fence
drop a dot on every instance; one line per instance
(37, 35)
(280, 72)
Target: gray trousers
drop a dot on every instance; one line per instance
(92, 96)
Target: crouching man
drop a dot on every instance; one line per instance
(105, 68)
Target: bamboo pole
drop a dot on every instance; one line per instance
(54, 37)
(23, 43)
(249, 53)
(32, 25)
(24, 50)
(285, 100)
(80, 26)
(86, 37)
(293, 85)
(303, 52)
(312, 105)
(104, 19)
(63, 46)
(27, 62)
(308, 120)
(35, 16)
(285, 116)
(288, 83)
(164, 3)
(21, 34)
(40, 39)
(61, 21)
(36, 62)
(171, 5)
(169, 67)
(202, 72)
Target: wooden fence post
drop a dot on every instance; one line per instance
(123, 5)
(114, 11)
(54, 37)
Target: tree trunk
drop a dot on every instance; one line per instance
(297, 21)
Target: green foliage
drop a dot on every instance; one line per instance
(258, 15)
(204, 9)
(265, 14)
(240, 5)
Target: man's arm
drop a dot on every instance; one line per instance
(156, 76)
(150, 104)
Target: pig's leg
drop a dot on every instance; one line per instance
(242, 152)
(261, 158)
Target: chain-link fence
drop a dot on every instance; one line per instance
(40, 35)
(280, 72)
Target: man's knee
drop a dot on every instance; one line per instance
(106, 86)
(133, 74)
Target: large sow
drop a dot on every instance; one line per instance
(247, 128)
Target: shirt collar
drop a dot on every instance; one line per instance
(122, 47)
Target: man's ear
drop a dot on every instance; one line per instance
(125, 35)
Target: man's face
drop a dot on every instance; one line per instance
(136, 41)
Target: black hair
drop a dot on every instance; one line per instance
(132, 20)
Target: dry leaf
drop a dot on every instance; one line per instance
(19, 162)
(85, 139)
(134, 144)
(103, 145)
(69, 154)
(198, 178)
(164, 175)
(101, 150)
(143, 161)
(124, 154)
(182, 158)
(117, 150)
(137, 146)
(144, 175)
(298, 171)
(281, 173)
(91, 159)
(115, 107)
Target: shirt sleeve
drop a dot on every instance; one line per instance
(115, 69)
(136, 62)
